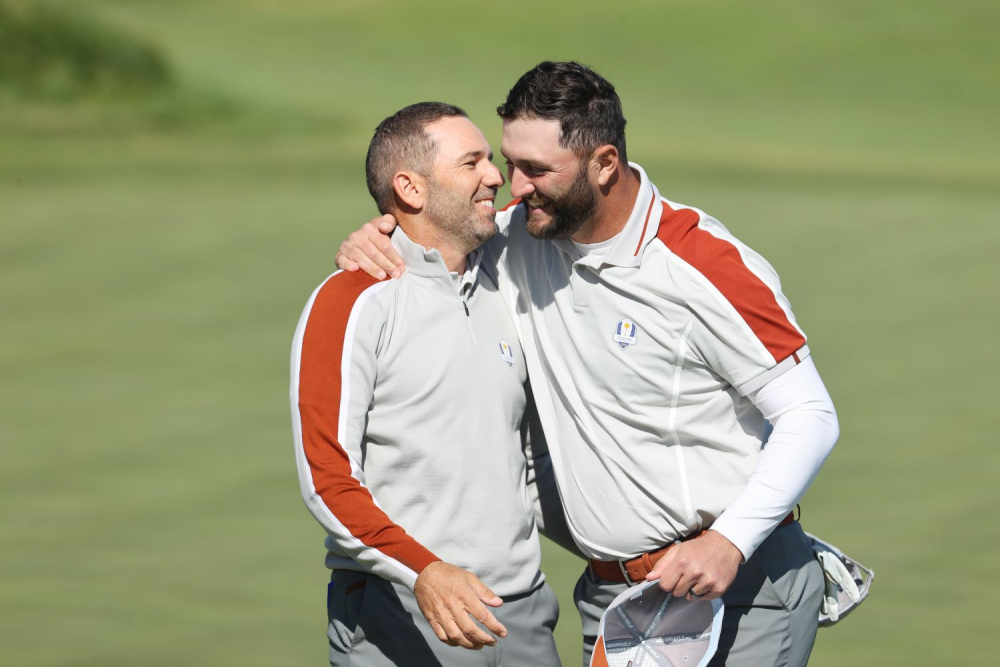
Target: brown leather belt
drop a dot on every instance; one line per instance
(634, 570)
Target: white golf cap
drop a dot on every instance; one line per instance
(848, 582)
(648, 627)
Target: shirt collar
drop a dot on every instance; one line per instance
(429, 264)
(638, 231)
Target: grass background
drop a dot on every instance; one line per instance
(156, 250)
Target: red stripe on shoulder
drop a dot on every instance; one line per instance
(323, 338)
(320, 388)
(512, 204)
(720, 262)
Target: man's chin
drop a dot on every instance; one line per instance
(487, 229)
(538, 223)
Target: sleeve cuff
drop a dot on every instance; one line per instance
(786, 364)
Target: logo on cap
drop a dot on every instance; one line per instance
(625, 333)
(506, 353)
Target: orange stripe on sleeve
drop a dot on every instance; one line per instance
(720, 262)
(512, 204)
(320, 385)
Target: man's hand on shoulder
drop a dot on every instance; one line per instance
(450, 598)
(370, 250)
(701, 567)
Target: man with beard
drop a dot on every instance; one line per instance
(430, 518)
(662, 351)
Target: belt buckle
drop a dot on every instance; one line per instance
(628, 579)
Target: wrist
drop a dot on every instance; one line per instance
(728, 547)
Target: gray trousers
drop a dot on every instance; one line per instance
(375, 623)
(771, 612)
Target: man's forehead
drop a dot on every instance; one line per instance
(456, 133)
(533, 139)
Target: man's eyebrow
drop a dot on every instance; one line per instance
(471, 155)
(532, 164)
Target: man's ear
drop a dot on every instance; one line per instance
(411, 191)
(605, 161)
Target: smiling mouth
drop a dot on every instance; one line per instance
(485, 203)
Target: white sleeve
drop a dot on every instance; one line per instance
(805, 430)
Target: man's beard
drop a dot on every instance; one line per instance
(458, 219)
(570, 211)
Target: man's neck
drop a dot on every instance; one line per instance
(613, 209)
(424, 234)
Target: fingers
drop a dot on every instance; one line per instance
(483, 615)
(689, 576)
(706, 564)
(457, 629)
(660, 566)
(460, 630)
(697, 583)
(363, 253)
(369, 249)
(441, 634)
(485, 594)
(666, 571)
(374, 242)
(345, 263)
(381, 249)
(679, 576)
(474, 606)
(452, 601)
(361, 258)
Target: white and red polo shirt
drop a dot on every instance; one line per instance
(642, 354)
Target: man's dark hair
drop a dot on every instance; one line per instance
(585, 104)
(401, 142)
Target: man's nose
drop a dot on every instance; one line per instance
(520, 185)
(493, 179)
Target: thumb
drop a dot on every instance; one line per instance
(386, 224)
(661, 566)
(485, 594)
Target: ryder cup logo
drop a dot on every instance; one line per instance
(506, 353)
(625, 333)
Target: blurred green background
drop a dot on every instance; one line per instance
(175, 177)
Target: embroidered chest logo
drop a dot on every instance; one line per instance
(625, 333)
(506, 353)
